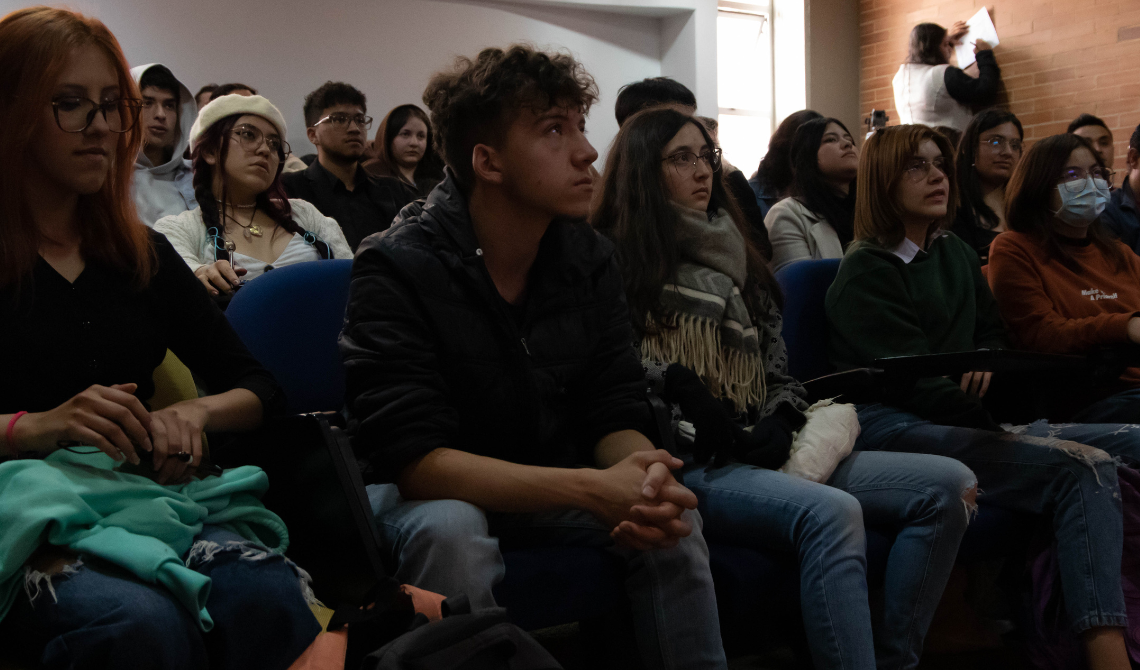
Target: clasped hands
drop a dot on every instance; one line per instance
(643, 503)
(113, 420)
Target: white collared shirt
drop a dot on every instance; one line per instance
(907, 250)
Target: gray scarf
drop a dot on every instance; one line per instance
(708, 327)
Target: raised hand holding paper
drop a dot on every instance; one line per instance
(981, 28)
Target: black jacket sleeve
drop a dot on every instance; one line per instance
(396, 397)
(610, 391)
(970, 91)
(199, 334)
(737, 185)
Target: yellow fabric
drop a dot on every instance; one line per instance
(323, 614)
(172, 383)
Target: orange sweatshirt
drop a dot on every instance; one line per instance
(1048, 307)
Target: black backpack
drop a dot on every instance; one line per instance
(462, 640)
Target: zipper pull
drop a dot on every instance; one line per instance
(523, 340)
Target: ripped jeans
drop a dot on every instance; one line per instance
(96, 615)
(1044, 469)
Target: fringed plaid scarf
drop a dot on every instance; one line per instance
(708, 328)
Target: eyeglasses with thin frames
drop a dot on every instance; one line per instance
(997, 144)
(75, 114)
(1075, 179)
(685, 162)
(251, 138)
(919, 169)
(340, 120)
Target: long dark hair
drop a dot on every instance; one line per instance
(811, 187)
(430, 166)
(775, 169)
(926, 44)
(273, 200)
(635, 212)
(970, 187)
(1029, 194)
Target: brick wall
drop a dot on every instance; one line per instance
(1058, 58)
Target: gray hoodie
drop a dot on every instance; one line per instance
(166, 189)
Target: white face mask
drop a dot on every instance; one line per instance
(1080, 209)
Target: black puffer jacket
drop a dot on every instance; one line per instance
(434, 357)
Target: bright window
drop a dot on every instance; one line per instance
(744, 83)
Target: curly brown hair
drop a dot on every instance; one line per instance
(476, 101)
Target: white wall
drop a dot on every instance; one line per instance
(833, 61)
(386, 48)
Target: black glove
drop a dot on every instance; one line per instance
(770, 442)
(715, 427)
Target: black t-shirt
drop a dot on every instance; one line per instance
(59, 337)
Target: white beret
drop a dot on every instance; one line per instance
(227, 105)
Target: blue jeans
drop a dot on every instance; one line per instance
(104, 617)
(823, 525)
(1036, 472)
(1123, 407)
(452, 547)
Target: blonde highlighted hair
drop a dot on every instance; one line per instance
(885, 157)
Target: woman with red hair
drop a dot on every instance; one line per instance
(125, 558)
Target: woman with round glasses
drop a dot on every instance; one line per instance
(403, 149)
(988, 152)
(108, 559)
(1063, 284)
(907, 288)
(244, 223)
(706, 311)
(815, 220)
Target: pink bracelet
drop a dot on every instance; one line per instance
(11, 440)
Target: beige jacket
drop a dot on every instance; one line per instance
(798, 234)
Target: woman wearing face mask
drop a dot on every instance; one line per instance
(106, 562)
(907, 288)
(678, 237)
(816, 220)
(1063, 284)
(930, 91)
(403, 149)
(987, 154)
(244, 224)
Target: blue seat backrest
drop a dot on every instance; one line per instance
(290, 319)
(805, 285)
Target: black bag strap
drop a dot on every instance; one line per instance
(664, 419)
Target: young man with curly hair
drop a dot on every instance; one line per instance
(493, 393)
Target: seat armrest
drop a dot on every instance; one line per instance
(855, 386)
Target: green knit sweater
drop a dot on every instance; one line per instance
(85, 503)
(881, 306)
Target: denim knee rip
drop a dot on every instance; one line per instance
(1082, 453)
(971, 507)
(36, 581)
(204, 551)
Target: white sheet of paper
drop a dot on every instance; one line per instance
(981, 27)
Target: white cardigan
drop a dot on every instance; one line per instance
(187, 233)
(797, 234)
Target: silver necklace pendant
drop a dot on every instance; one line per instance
(245, 231)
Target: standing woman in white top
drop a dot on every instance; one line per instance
(930, 91)
(817, 220)
(244, 224)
